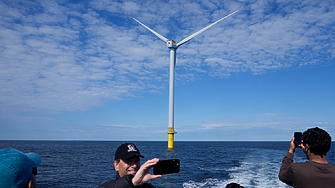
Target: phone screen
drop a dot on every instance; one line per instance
(297, 138)
(167, 167)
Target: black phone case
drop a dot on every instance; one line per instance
(167, 167)
(297, 138)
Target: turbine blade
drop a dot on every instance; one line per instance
(154, 32)
(202, 30)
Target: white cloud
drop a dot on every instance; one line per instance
(266, 121)
(127, 126)
(62, 57)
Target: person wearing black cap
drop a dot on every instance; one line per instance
(129, 171)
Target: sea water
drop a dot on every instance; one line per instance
(67, 164)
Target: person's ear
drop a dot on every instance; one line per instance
(307, 146)
(116, 166)
(30, 183)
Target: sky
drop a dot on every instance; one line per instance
(85, 70)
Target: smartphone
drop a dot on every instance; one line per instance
(167, 167)
(297, 138)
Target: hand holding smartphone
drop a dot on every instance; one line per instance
(167, 167)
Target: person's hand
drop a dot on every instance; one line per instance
(304, 148)
(292, 146)
(142, 175)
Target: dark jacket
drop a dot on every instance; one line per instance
(123, 182)
(308, 174)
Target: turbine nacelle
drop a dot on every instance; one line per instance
(171, 44)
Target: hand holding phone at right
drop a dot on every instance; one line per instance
(295, 142)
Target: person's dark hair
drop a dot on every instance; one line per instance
(117, 160)
(318, 140)
(234, 185)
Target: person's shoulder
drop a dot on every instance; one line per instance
(297, 166)
(148, 185)
(315, 165)
(301, 163)
(107, 184)
(332, 165)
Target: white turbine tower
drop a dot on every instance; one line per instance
(173, 48)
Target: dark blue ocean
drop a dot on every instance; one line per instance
(67, 164)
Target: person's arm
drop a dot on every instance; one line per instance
(285, 173)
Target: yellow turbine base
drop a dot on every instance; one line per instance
(170, 137)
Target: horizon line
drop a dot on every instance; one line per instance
(102, 140)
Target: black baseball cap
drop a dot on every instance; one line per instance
(126, 151)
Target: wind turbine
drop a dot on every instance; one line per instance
(173, 48)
